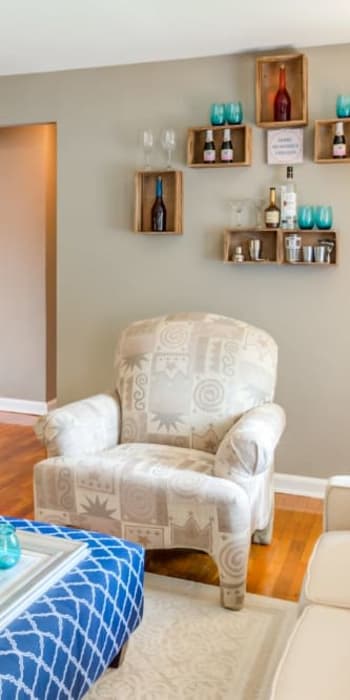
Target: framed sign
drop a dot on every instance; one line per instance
(284, 146)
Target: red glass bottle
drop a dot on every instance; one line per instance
(282, 103)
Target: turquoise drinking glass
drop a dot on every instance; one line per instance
(343, 106)
(323, 217)
(10, 548)
(234, 112)
(217, 114)
(306, 217)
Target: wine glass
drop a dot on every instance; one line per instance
(237, 208)
(147, 145)
(168, 141)
(259, 212)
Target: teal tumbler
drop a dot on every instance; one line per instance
(234, 112)
(306, 217)
(324, 218)
(10, 548)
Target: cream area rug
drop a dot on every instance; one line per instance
(189, 647)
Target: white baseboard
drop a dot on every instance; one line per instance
(300, 485)
(36, 408)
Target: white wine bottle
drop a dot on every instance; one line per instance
(209, 153)
(226, 153)
(339, 143)
(289, 202)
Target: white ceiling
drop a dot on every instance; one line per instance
(46, 35)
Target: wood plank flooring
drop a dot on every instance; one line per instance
(276, 570)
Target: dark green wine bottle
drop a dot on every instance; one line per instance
(158, 210)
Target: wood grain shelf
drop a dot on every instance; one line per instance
(145, 189)
(267, 81)
(273, 245)
(323, 140)
(241, 136)
(242, 236)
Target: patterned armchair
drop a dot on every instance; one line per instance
(182, 454)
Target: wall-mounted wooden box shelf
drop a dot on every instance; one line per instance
(267, 81)
(323, 143)
(241, 137)
(145, 193)
(311, 237)
(241, 236)
(273, 245)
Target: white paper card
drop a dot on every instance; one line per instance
(284, 146)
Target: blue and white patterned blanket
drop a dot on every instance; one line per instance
(61, 644)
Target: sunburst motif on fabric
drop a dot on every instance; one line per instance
(169, 421)
(132, 362)
(97, 507)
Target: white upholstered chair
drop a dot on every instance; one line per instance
(182, 454)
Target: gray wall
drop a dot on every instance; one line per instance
(108, 276)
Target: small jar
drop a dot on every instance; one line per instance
(238, 256)
(10, 548)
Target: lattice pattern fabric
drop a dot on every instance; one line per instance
(60, 645)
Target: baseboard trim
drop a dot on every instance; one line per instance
(300, 485)
(36, 408)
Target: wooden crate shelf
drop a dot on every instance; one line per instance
(241, 136)
(310, 237)
(145, 189)
(323, 140)
(241, 236)
(267, 80)
(273, 245)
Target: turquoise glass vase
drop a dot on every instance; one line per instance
(10, 548)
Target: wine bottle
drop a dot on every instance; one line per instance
(272, 211)
(289, 202)
(226, 153)
(158, 214)
(282, 102)
(339, 143)
(209, 153)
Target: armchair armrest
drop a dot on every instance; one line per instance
(82, 427)
(248, 447)
(336, 514)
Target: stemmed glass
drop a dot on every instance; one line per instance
(237, 207)
(147, 145)
(259, 212)
(168, 141)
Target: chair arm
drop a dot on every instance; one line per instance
(336, 514)
(248, 447)
(82, 427)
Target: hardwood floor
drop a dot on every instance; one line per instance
(276, 570)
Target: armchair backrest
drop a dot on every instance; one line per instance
(184, 379)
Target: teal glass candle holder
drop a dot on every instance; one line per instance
(217, 114)
(233, 112)
(306, 217)
(10, 548)
(323, 218)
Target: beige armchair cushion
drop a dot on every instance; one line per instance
(184, 379)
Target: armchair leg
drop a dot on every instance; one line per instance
(264, 536)
(232, 597)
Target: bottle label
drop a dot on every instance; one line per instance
(209, 156)
(290, 205)
(272, 217)
(227, 154)
(339, 150)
